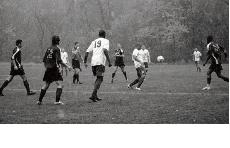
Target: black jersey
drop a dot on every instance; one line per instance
(119, 52)
(16, 57)
(214, 53)
(52, 57)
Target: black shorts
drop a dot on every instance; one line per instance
(76, 64)
(20, 71)
(98, 70)
(140, 71)
(119, 61)
(215, 67)
(52, 74)
(146, 64)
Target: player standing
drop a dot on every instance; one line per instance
(196, 57)
(76, 59)
(119, 62)
(65, 60)
(17, 69)
(137, 57)
(99, 48)
(146, 57)
(214, 54)
(52, 61)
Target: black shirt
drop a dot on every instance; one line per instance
(52, 57)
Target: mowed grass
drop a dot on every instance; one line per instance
(171, 94)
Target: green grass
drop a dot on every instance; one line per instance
(171, 94)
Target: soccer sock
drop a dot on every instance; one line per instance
(141, 80)
(77, 77)
(134, 82)
(125, 75)
(42, 94)
(113, 75)
(97, 86)
(27, 86)
(74, 78)
(58, 94)
(224, 78)
(4, 85)
(209, 81)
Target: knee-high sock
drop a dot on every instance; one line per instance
(125, 75)
(209, 81)
(141, 80)
(27, 86)
(42, 94)
(74, 78)
(58, 94)
(113, 75)
(77, 77)
(4, 85)
(97, 86)
(224, 78)
(134, 82)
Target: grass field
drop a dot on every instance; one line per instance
(171, 94)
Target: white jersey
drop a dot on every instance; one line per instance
(197, 56)
(64, 57)
(146, 56)
(97, 47)
(139, 55)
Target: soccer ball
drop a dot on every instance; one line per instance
(160, 59)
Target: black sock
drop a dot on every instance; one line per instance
(58, 94)
(209, 81)
(42, 94)
(94, 94)
(113, 75)
(134, 82)
(77, 77)
(74, 78)
(97, 86)
(125, 75)
(27, 86)
(141, 80)
(4, 85)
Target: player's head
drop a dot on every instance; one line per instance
(209, 39)
(76, 44)
(19, 43)
(143, 47)
(55, 40)
(62, 49)
(102, 34)
(138, 46)
(118, 45)
(195, 49)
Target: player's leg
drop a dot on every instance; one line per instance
(137, 80)
(209, 78)
(66, 71)
(7, 81)
(27, 86)
(58, 93)
(141, 78)
(219, 74)
(43, 92)
(114, 73)
(124, 72)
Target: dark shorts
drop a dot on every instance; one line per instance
(76, 64)
(196, 62)
(52, 74)
(98, 70)
(215, 67)
(146, 64)
(119, 61)
(20, 71)
(140, 71)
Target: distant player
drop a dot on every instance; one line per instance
(119, 62)
(160, 59)
(76, 59)
(52, 61)
(65, 60)
(146, 57)
(197, 57)
(137, 57)
(214, 54)
(100, 49)
(17, 69)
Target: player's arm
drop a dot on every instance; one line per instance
(59, 60)
(13, 59)
(208, 58)
(149, 58)
(107, 56)
(90, 49)
(224, 51)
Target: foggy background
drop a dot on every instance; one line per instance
(172, 28)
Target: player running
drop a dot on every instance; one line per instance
(52, 61)
(146, 57)
(99, 48)
(76, 59)
(137, 57)
(65, 60)
(214, 54)
(197, 57)
(119, 62)
(17, 69)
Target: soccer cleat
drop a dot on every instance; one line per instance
(206, 88)
(137, 88)
(130, 87)
(93, 99)
(1, 94)
(112, 81)
(98, 99)
(31, 93)
(79, 82)
(39, 103)
(58, 103)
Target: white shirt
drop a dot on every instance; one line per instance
(146, 56)
(97, 47)
(160, 58)
(139, 55)
(64, 57)
(197, 55)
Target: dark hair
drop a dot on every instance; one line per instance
(55, 40)
(76, 43)
(19, 41)
(102, 33)
(138, 45)
(209, 39)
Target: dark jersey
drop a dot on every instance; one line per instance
(214, 53)
(16, 57)
(52, 57)
(119, 52)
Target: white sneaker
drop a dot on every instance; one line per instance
(58, 103)
(138, 88)
(206, 88)
(39, 103)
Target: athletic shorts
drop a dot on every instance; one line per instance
(76, 64)
(146, 64)
(197, 62)
(98, 70)
(20, 71)
(52, 74)
(119, 61)
(140, 71)
(215, 67)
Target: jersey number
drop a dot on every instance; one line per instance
(98, 44)
(50, 54)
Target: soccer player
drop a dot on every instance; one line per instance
(146, 57)
(52, 61)
(214, 54)
(17, 69)
(100, 49)
(65, 59)
(76, 59)
(137, 57)
(119, 62)
(196, 57)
